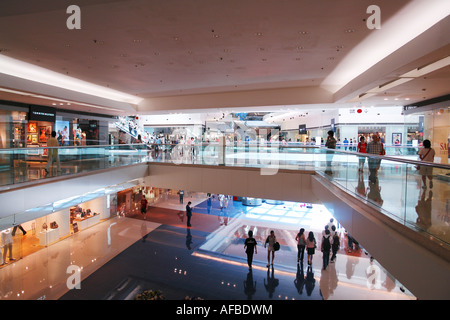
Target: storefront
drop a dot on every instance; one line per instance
(129, 200)
(30, 126)
(43, 231)
(434, 126)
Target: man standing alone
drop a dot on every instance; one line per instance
(330, 144)
(188, 213)
(52, 153)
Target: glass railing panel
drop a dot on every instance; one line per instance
(427, 200)
(390, 183)
(19, 165)
(396, 187)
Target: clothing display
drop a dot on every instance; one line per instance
(7, 242)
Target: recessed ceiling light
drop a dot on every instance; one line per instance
(349, 30)
(259, 34)
(303, 32)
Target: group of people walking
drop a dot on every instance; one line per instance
(250, 246)
(329, 245)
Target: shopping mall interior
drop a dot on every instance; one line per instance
(141, 141)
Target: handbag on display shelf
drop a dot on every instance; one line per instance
(53, 225)
(44, 226)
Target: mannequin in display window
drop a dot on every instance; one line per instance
(7, 242)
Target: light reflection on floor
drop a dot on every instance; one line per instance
(350, 277)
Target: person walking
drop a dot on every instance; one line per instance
(301, 244)
(250, 248)
(188, 214)
(374, 147)
(53, 154)
(325, 248)
(310, 246)
(270, 242)
(144, 204)
(426, 154)
(335, 245)
(362, 148)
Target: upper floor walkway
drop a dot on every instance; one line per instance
(392, 184)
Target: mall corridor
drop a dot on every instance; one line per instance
(126, 255)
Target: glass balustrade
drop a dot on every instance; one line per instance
(392, 183)
(20, 165)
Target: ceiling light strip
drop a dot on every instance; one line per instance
(56, 99)
(31, 72)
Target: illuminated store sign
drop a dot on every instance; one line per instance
(39, 113)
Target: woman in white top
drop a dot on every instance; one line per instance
(270, 241)
(426, 154)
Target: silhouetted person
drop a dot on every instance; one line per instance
(250, 248)
(330, 144)
(188, 213)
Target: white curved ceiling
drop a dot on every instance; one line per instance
(199, 54)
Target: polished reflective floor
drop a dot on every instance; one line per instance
(125, 255)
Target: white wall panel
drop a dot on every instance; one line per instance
(39, 194)
(285, 185)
